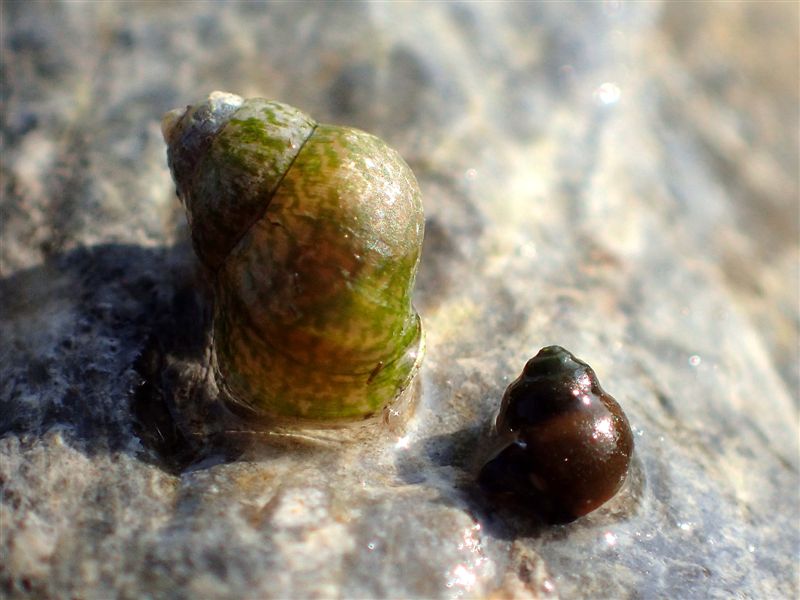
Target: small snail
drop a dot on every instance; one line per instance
(310, 235)
(569, 444)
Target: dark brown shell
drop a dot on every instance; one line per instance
(570, 443)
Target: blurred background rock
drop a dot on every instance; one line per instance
(618, 178)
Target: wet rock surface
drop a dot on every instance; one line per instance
(617, 179)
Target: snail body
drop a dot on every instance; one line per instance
(567, 443)
(311, 236)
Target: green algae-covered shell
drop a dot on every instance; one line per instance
(311, 234)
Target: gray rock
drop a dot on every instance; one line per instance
(620, 179)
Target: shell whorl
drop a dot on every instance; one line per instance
(228, 156)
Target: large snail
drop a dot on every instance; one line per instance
(566, 444)
(311, 236)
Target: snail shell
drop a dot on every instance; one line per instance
(569, 444)
(311, 236)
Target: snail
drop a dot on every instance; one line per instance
(310, 235)
(566, 444)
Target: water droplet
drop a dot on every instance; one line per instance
(607, 94)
